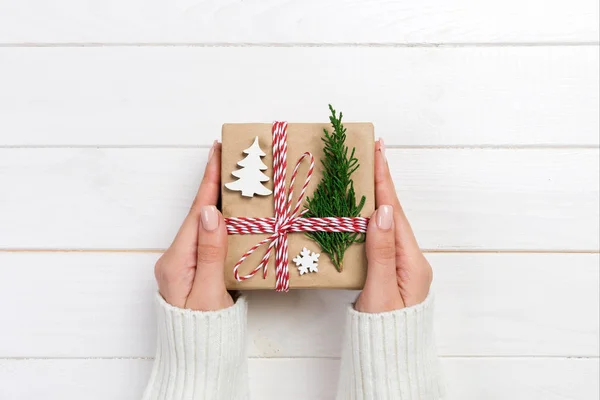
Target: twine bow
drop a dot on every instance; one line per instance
(285, 220)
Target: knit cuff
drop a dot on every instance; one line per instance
(200, 354)
(391, 355)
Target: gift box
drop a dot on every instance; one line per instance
(249, 190)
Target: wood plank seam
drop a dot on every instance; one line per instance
(306, 44)
(447, 357)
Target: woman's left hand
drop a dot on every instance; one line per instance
(190, 274)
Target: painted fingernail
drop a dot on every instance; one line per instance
(385, 216)
(209, 218)
(382, 148)
(212, 150)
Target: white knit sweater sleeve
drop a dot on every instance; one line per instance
(390, 355)
(200, 355)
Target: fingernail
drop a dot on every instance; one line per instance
(385, 216)
(382, 148)
(209, 218)
(212, 149)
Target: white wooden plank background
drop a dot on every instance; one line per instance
(104, 307)
(491, 113)
(299, 21)
(314, 379)
(486, 199)
(474, 96)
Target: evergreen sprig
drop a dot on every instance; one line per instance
(334, 195)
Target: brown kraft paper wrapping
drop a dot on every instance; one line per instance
(301, 137)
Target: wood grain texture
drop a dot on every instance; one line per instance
(101, 305)
(312, 21)
(128, 95)
(474, 96)
(469, 199)
(302, 379)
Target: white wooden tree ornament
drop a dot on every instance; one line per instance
(250, 175)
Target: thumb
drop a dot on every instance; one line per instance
(208, 291)
(381, 287)
(212, 242)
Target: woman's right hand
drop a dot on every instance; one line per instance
(398, 273)
(190, 274)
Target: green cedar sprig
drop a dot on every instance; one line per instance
(334, 195)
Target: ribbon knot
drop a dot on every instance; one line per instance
(285, 220)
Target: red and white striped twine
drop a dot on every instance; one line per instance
(285, 220)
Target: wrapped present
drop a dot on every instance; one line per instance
(280, 183)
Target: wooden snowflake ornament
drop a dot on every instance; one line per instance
(250, 175)
(307, 261)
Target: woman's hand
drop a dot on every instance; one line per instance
(190, 274)
(398, 274)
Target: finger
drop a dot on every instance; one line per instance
(385, 193)
(209, 281)
(381, 292)
(208, 194)
(212, 242)
(381, 248)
